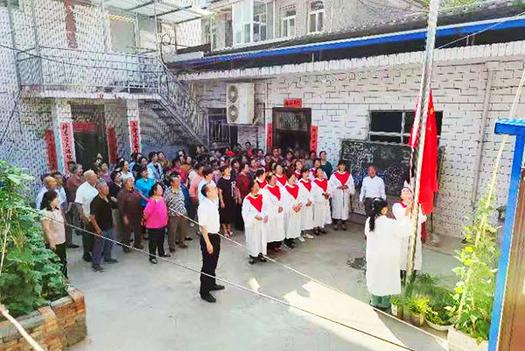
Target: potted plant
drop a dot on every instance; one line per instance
(398, 304)
(417, 306)
(439, 313)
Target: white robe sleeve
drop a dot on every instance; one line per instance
(351, 185)
(248, 213)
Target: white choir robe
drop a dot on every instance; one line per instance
(404, 221)
(322, 215)
(383, 256)
(275, 228)
(307, 212)
(292, 219)
(254, 230)
(341, 198)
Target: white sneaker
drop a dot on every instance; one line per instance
(301, 239)
(309, 236)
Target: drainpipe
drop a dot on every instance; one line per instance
(491, 67)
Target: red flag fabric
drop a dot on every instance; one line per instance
(428, 181)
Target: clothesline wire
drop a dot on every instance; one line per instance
(236, 285)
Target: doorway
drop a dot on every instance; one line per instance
(291, 128)
(89, 133)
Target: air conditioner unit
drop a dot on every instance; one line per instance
(240, 103)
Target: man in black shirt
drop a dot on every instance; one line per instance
(102, 221)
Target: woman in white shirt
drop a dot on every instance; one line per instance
(255, 223)
(273, 196)
(321, 196)
(402, 212)
(383, 239)
(53, 227)
(292, 211)
(305, 194)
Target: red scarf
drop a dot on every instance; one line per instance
(293, 190)
(322, 183)
(342, 177)
(275, 191)
(262, 184)
(307, 184)
(256, 202)
(281, 179)
(297, 175)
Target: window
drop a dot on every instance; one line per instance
(122, 31)
(213, 33)
(12, 3)
(242, 18)
(395, 126)
(259, 22)
(288, 22)
(316, 17)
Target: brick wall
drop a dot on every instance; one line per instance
(54, 327)
(341, 104)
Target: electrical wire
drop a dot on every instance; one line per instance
(236, 285)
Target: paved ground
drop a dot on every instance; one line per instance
(134, 305)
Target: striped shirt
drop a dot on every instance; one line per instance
(175, 201)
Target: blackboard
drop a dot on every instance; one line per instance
(391, 160)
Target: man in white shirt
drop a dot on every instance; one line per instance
(207, 179)
(48, 183)
(373, 187)
(209, 222)
(86, 192)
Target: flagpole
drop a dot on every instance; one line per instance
(420, 122)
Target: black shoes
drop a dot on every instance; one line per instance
(126, 249)
(72, 246)
(209, 298)
(252, 260)
(172, 249)
(111, 260)
(261, 258)
(189, 238)
(87, 257)
(217, 287)
(97, 268)
(153, 260)
(165, 255)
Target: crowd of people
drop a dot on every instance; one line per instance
(279, 200)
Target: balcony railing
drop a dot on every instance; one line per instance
(46, 69)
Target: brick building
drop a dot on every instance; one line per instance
(84, 77)
(359, 79)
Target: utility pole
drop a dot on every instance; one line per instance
(420, 122)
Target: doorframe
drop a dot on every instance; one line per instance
(306, 111)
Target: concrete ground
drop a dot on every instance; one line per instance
(134, 305)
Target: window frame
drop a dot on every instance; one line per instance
(317, 13)
(285, 22)
(115, 16)
(401, 134)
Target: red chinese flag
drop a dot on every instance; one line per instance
(428, 182)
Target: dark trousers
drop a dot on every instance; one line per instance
(60, 251)
(102, 247)
(134, 226)
(368, 206)
(209, 263)
(156, 241)
(69, 230)
(88, 239)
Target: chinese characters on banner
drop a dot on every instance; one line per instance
(134, 135)
(313, 137)
(52, 160)
(269, 137)
(293, 103)
(68, 148)
(112, 145)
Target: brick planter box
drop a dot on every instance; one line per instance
(54, 327)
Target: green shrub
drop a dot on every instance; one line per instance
(31, 275)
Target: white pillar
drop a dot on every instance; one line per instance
(64, 139)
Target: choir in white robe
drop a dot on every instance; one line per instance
(399, 210)
(281, 180)
(340, 197)
(322, 215)
(383, 256)
(275, 218)
(255, 230)
(292, 218)
(307, 212)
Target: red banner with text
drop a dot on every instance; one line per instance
(269, 137)
(134, 135)
(52, 160)
(313, 137)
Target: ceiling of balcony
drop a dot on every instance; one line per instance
(169, 10)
